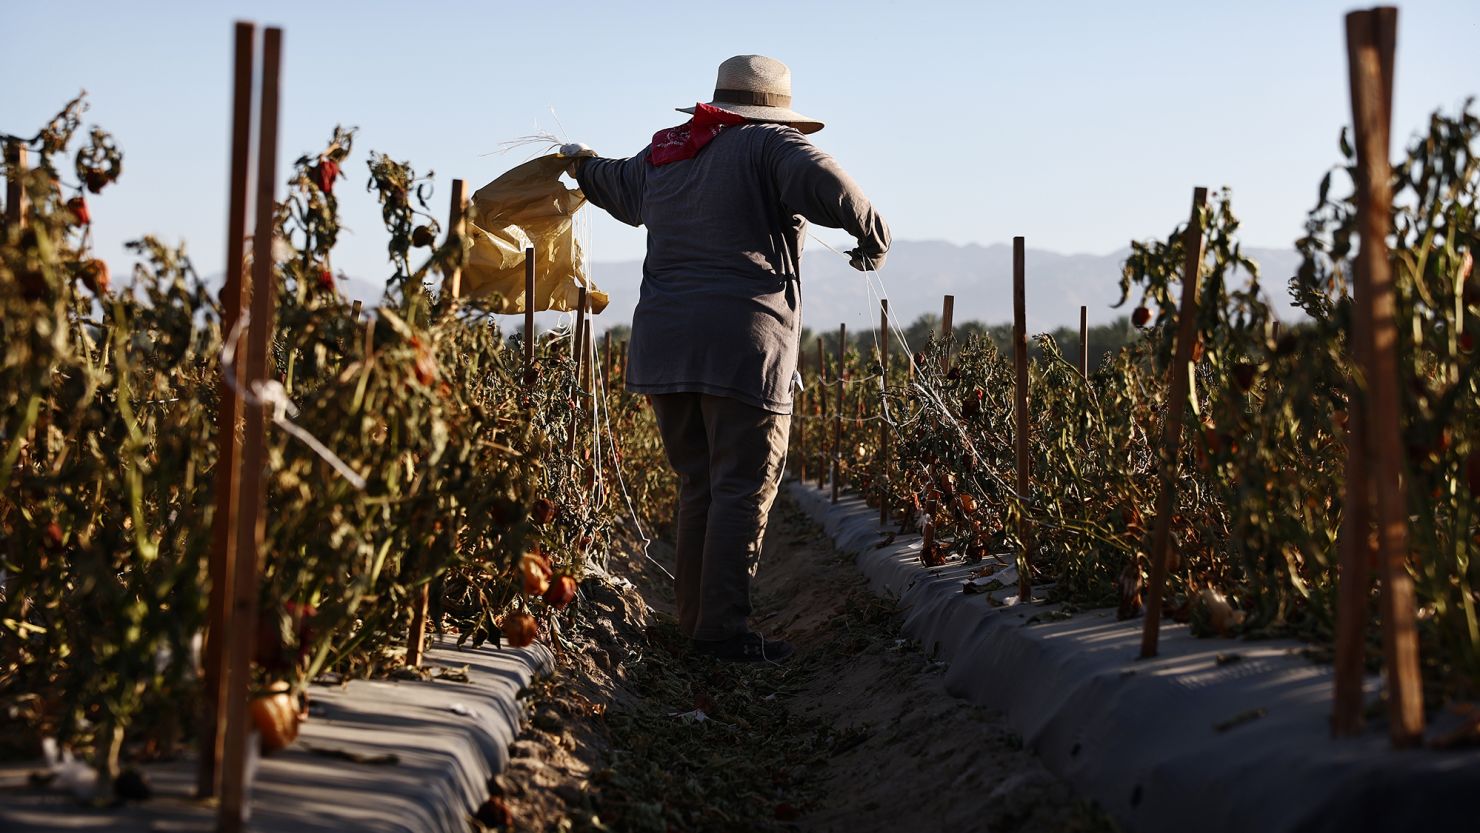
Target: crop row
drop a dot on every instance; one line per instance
(1256, 525)
(469, 471)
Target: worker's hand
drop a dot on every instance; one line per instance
(865, 263)
(578, 154)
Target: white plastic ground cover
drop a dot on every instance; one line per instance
(1169, 745)
(447, 737)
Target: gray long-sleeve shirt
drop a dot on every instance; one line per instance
(720, 306)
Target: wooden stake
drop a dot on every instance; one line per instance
(228, 423)
(577, 358)
(1171, 446)
(883, 404)
(824, 469)
(354, 309)
(1084, 342)
(927, 531)
(800, 420)
(15, 191)
(947, 331)
(1371, 42)
(606, 352)
(456, 212)
(252, 517)
(416, 636)
(1356, 546)
(529, 266)
(575, 342)
(585, 370)
(837, 455)
(1020, 408)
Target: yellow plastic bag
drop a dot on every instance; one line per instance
(528, 206)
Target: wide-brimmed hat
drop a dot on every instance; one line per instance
(758, 88)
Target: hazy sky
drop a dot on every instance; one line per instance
(1080, 125)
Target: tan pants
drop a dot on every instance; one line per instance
(728, 456)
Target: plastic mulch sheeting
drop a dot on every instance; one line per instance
(1212, 735)
(376, 756)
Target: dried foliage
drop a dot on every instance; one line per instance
(481, 477)
(1262, 475)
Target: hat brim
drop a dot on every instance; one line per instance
(756, 112)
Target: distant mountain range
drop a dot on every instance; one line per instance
(919, 272)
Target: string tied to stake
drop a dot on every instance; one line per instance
(270, 395)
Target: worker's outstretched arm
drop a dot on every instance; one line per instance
(614, 184)
(815, 186)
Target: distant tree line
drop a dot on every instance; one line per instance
(1104, 339)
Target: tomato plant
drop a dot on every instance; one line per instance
(1261, 478)
(464, 466)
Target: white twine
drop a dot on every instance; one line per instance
(932, 397)
(605, 410)
(921, 384)
(601, 416)
(270, 395)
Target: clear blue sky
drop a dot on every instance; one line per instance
(1080, 125)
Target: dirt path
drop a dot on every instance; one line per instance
(856, 734)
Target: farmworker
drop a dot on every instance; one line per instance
(726, 199)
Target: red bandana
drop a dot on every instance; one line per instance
(685, 141)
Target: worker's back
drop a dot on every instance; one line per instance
(720, 308)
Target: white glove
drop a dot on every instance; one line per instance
(578, 153)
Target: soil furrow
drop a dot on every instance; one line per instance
(856, 734)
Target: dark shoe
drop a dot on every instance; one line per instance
(750, 647)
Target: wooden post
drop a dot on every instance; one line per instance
(584, 369)
(228, 422)
(354, 309)
(1171, 446)
(824, 469)
(579, 360)
(947, 330)
(587, 369)
(883, 404)
(927, 531)
(252, 517)
(606, 367)
(529, 311)
(1357, 543)
(799, 419)
(456, 213)
(1371, 42)
(1084, 341)
(1020, 408)
(837, 449)
(15, 190)
(416, 636)
(575, 341)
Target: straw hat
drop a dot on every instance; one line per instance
(758, 88)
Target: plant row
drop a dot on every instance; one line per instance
(475, 472)
(1261, 479)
